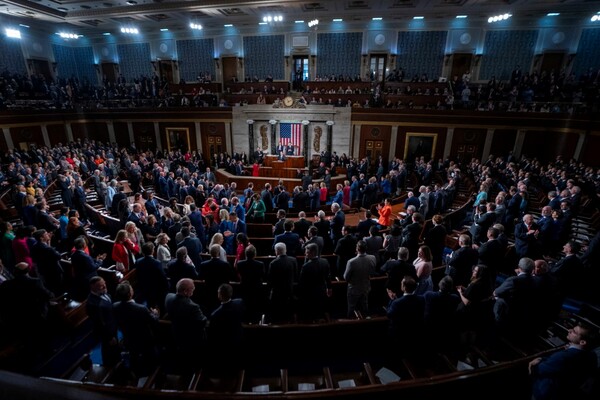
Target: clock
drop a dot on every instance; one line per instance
(288, 101)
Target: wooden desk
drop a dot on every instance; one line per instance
(271, 160)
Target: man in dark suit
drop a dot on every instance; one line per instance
(281, 277)
(345, 249)
(314, 285)
(396, 270)
(406, 314)
(120, 195)
(267, 197)
(188, 324)
(491, 253)
(99, 309)
(301, 226)
(337, 222)
(313, 237)
(289, 238)
(179, 268)
(364, 225)
(193, 246)
(225, 332)
(151, 281)
(278, 228)
(47, 260)
(569, 270)
(306, 180)
(481, 222)
(84, 268)
(526, 238)
(45, 220)
(215, 272)
(196, 220)
(461, 263)
(300, 199)
(137, 324)
(239, 226)
(562, 374)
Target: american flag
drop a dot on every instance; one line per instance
(291, 135)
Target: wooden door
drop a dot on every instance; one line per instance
(373, 149)
(230, 69)
(552, 61)
(109, 72)
(165, 68)
(461, 63)
(377, 67)
(41, 67)
(216, 145)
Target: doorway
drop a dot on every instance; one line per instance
(461, 63)
(40, 67)
(230, 69)
(377, 67)
(300, 72)
(552, 62)
(165, 70)
(373, 150)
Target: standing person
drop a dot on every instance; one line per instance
(406, 315)
(561, 375)
(358, 273)
(385, 214)
(281, 277)
(252, 274)
(225, 332)
(151, 281)
(99, 309)
(423, 268)
(314, 285)
(137, 323)
(435, 239)
(188, 324)
(256, 212)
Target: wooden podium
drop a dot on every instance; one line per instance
(290, 162)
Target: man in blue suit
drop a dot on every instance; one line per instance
(196, 221)
(561, 375)
(289, 238)
(152, 283)
(239, 226)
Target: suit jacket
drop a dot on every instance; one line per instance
(84, 268)
(301, 227)
(336, 224)
(137, 324)
(345, 249)
(225, 330)
(291, 241)
(100, 311)
(314, 279)
(461, 265)
(194, 248)
(216, 272)
(49, 268)
(481, 225)
(569, 272)
(406, 315)
(283, 273)
(188, 321)
(278, 228)
(178, 270)
(491, 253)
(152, 283)
(318, 240)
(526, 244)
(561, 374)
(358, 272)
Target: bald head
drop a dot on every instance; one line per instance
(185, 287)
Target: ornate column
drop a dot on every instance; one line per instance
(330, 136)
(250, 123)
(272, 124)
(305, 124)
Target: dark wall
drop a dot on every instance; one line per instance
(545, 145)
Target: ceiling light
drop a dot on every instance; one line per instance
(262, 23)
(228, 25)
(24, 26)
(376, 18)
(131, 31)
(497, 18)
(461, 16)
(67, 35)
(193, 25)
(596, 18)
(13, 33)
(419, 17)
(299, 21)
(106, 34)
(312, 23)
(164, 29)
(553, 14)
(337, 20)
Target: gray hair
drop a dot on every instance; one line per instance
(280, 248)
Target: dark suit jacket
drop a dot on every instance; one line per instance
(152, 283)
(283, 273)
(84, 268)
(47, 260)
(178, 270)
(137, 324)
(406, 315)
(301, 227)
(461, 265)
(194, 248)
(225, 330)
(291, 241)
(345, 250)
(216, 272)
(279, 229)
(569, 273)
(491, 253)
(336, 224)
(100, 311)
(481, 225)
(188, 321)
(526, 244)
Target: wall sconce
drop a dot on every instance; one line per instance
(478, 58)
(305, 122)
(272, 121)
(249, 121)
(217, 62)
(329, 123)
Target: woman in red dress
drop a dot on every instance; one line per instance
(255, 169)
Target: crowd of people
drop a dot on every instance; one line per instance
(201, 234)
